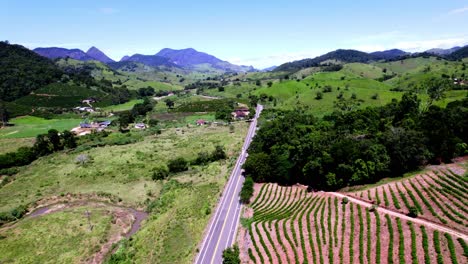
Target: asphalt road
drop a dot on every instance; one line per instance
(222, 229)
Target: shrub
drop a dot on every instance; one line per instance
(345, 200)
(318, 95)
(82, 159)
(160, 173)
(178, 165)
(413, 212)
(247, 190)
(231, 255)
(327, 89)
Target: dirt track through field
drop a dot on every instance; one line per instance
(403, 216)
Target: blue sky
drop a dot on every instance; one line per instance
(255, 32)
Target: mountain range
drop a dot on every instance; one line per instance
(191, 59)
(349, 56)
(183, 58)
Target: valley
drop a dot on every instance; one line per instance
(143, 160)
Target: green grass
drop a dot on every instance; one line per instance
(354, 78)
(12, 144)
(172, 233)
(62, 237)
(122, 107)
(30, 126)
(124, 171)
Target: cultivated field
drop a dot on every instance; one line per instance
(291, 225)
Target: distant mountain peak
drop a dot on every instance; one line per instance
(54, 53)
(443, 51)
(189, 57)
(98, 55)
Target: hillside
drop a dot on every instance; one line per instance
(459, 54)
(388, 54)
(98, 55)
(190, 58)
(151, 60)
(342, 56)
(93, 53)
(54, 53)
(443, 51)
(23, 71)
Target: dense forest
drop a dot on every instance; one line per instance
(356, 147)
(459, 54)
(23, 71)
(341, 55)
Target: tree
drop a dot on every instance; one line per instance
(42, 146)
(231, 255)
(169, 103)
(258, 83)
(223, 114)
(436, 88)
(218, 153)
(178, 165)
(69, 141)
(203, 157)
(160, 173)
(270, 83)
(54, 139)
(413, 212)
(318, 95)
(253, 100)
(125, 118)
(4, 115)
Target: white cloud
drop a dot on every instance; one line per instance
(422, 45)
(459, 10)
(108, 10)
(277, 59)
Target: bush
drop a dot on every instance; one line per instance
(318, 95)
(413, 212)
(178, 165)
(327, 89)
(160, 173)
(345, 200)
(247, 190)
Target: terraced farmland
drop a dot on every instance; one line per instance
(291, 225)
(439, 196)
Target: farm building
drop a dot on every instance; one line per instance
(140, 126)
(240, 113)
(201, 122)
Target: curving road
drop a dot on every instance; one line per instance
(222, 229)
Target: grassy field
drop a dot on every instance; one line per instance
(12, 144)
(30, 126)
(355, 78)
(62, 237)
(183, 203)
(122, 107)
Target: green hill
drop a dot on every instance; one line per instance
(23, 71)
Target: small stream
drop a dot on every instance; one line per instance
(139, 217)
(136, 225)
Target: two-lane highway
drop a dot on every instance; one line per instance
(222, 229)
